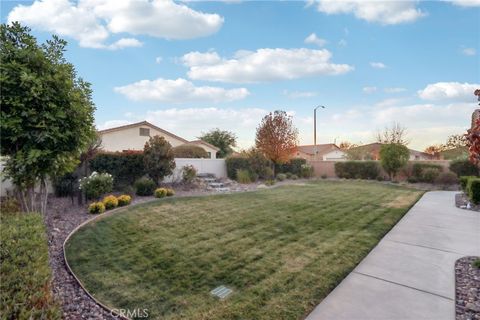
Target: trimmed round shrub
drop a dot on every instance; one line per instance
(234, 164)
(281, 176)
(96, 208)
(144, 187)
(161, 193)
(306, 171)
(323, 176)
(110, 202)
(294, 177)
(446, 178)
(463, 168)
(430, 174)
(243, 176)
(289, 175)
(269, 182)
(124, 200)
(170, 192)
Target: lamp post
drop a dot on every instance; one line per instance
(315, 131)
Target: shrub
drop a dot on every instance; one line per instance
(125, 167)
(429, 175)
(324, 176)
(293, 166)
(269, 182)
(281, 176)
(161, 193)
(188, 174)
(464, 182)
(446, 178)
(463, 168)
(393, 157)
(418, 170)
(96, 207)
(476, 263)
(243, 176)
(306, 171)
(110, 202)
(236, 163)
(412, 179)
(158, 158)
(357, 169)
(294, 177)
(473, 190)
(170, 192)
(96, 185)
(124, 200)
(9, 205)
(144, 187)
(189, 151)
(24, 270)
(65, 186)
(289, 175)
(258, 165)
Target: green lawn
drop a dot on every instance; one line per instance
(281, 250)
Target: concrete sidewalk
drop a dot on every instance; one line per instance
(410, 273)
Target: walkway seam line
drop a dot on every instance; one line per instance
(403, 285)
(427, 247)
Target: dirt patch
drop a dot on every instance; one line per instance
(401, 201)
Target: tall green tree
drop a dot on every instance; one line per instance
(158, 158)
(393, 157)
(46, 111)
(222, 139)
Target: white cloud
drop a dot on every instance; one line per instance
(379, 11)
(263, 65)
(388, 103)
(369, 89)
(469, 51)
(394, 90)
(158, 59)
(313, 39)
(124, 43)
(449, 91)
(299, 94)
(92, 22)
(466, 3)
(378, 65)
(178, 91)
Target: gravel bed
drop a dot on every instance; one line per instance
(461, 201)
(63, 216)
(467, 289)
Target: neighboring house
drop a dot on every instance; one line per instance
(134, 136)
(323, 152)
(452, 154)
(372, 152)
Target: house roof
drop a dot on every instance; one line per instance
(375, 147)
(321, 148)
(142, 123)
(204, 143)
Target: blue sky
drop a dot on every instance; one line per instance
(192, 66)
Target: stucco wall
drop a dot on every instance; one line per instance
(130, 139)
(334, 155)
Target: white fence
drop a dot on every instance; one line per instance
(217, 167)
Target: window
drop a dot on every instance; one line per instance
(145, 132)
(209, 154)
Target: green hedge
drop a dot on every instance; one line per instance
(464, 182)
(463, 168)
(236, 163)
(24, 270)
(473, 189)
(357, 169)
(125, 167)
(294, 166)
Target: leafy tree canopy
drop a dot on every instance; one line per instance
(222, 139)
(393, 157)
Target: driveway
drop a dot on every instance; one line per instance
(410, 273)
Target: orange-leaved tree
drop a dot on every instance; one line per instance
(277, 137)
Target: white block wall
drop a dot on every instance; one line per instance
(217, 167)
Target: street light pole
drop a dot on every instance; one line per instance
(315, 131)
